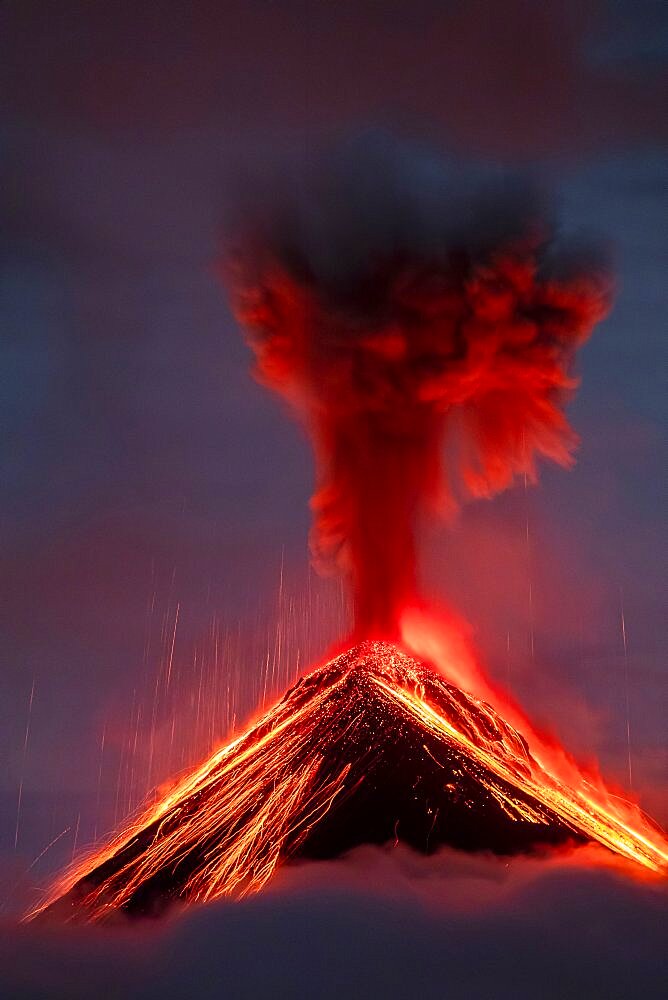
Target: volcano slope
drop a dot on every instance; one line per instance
(374, 747)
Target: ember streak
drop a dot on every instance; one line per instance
(371, 747)
(383, 347)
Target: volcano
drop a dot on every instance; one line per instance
(393, 325)
(373, 747)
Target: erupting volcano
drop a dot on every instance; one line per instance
(426, 342)
(373, 747)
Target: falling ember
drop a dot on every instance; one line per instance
(400, 328)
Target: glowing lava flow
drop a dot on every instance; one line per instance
(372, 746)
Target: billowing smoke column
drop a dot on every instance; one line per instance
(395, 310)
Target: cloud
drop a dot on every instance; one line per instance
(381, 923)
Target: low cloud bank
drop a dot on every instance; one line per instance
(381, 923)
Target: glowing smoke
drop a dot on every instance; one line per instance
(389, 305)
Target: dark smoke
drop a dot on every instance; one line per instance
(389, 302)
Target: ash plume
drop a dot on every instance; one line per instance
(392, 304)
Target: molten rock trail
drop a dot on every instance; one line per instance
(373, 747)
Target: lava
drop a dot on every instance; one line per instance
(374, 746)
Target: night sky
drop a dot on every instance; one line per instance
(154, 498)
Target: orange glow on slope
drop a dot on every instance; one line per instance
(251, 805)
(441, 642)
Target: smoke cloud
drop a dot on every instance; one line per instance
(394, 304)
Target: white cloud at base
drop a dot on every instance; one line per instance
(380, 923)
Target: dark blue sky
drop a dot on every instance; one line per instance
(141, 466)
